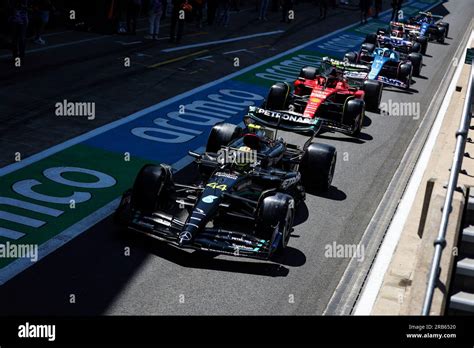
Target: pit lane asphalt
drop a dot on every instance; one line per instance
(158, 279)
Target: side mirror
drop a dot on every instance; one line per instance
(195, 155)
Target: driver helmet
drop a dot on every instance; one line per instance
(252, 141)
(243, 163)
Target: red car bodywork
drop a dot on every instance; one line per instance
(320, 92)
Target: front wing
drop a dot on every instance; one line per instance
(167, 229)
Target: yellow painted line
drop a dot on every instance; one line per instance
(177, 59)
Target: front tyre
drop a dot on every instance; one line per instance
(277, 98)
(405, 72)
(445, 26)
(416, 60)
(351, 57)
(353, 114)
(221, 135)
(308, 73)
(317, 167)
(275, 220)
(153, 189)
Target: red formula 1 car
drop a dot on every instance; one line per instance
(323, 97)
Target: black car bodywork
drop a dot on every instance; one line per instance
(243, 211)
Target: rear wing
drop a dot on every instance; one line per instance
(355, 74)
(283, 120)
(406, 27)
(432, 15)
(344, 66)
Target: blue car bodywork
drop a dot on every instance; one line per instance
(385, 62)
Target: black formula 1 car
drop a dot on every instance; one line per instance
(237, 207)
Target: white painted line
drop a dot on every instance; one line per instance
(71, 43)
(81, 138)
(206, 59)
(61, 45)
(209, 43)
(384, 256)
(19, 265)
(242, 50)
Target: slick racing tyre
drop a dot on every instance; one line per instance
(308, 73)
(275, 220)
(353, 114)
(351, 57)
(153, 189)
(368, 47)
(416, 60)
(371, 38)
(415, 48)
(446, 26)
(423, 41)
(441, 35)
(317, 167)
(405, 72)
(277, 98)
(373, 94)
(221, 135)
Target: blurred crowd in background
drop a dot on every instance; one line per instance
(23, 21)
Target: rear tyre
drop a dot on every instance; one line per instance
(373, 94)
(153, 189)
(277, 98)
(416, 60)
(308, 73)
(275, 220)
(416, 48)
(441, 34)
(423, 41)
(221, 135)
(317, 167)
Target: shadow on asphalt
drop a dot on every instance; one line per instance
(360, 139)
(367, 120)
(200, 260)
(334, 194)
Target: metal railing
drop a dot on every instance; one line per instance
(440, 242)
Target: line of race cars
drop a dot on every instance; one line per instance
(249, 180)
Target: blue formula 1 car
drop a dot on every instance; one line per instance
(383, 64)
(407, 50)
(425, 24)
(396, 37)
(399, 30)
